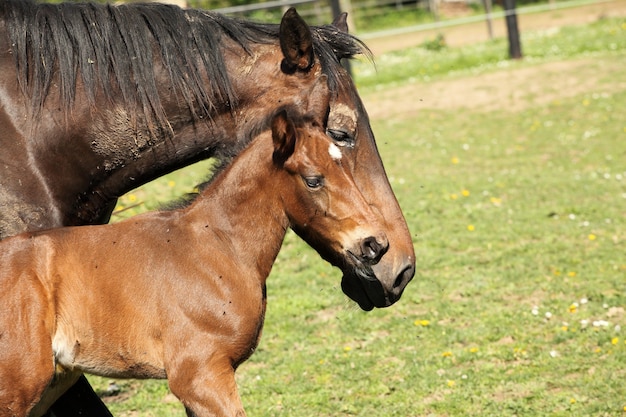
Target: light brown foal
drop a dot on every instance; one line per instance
(179, 294)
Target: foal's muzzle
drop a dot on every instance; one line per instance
(370, 278)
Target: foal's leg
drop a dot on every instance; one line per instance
(26, 358)
(207, 390)
(62, 381)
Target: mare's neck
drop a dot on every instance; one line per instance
(242, 209)
(222, 134)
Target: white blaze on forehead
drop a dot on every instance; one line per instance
(334, 152)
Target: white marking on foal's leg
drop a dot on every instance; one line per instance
(64, 350)
(334, 152)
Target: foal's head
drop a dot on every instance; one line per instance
(323, 203)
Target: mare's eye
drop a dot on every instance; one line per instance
(341, 137)
(314, 183)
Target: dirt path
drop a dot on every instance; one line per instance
(477, 32)
(511, 89)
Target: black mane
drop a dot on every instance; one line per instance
(113, 49)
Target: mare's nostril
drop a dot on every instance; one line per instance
(404, 277)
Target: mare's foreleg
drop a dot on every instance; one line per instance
(207, 390)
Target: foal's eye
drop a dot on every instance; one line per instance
(314, 183)
(340, 137)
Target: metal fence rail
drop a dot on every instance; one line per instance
(262, 6)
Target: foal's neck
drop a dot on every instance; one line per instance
(242, 206)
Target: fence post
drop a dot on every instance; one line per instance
(515, 47)
(487, 6)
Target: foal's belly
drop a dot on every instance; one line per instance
(106, 359)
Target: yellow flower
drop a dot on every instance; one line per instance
(132, 197)
(453, 196)
(347, 348)
(615, 341)
(422, 323)
(474, 349)
(591, 236)
(571, 274)
(564, 328)
(470, 227)
(455, 160)
(451, 383)
(446, 354)
(171, 183)
(573, 308)
(465, 193)
(572, 401)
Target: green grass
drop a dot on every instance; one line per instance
(519, 224)
(425, 64)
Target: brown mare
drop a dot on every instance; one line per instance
(96, 100)
(192, 309)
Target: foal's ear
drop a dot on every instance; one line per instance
(341, 22)
(296, 42)
(284, 136)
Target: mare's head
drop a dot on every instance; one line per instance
(377, 267)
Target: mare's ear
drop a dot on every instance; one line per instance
(296, 42)
(341, 22)
(284, 136)
(319, 99)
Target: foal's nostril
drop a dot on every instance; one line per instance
(372, 249)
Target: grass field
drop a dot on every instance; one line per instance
(518, 214)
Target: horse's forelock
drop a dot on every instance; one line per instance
(331, 46)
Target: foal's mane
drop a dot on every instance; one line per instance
(298, 119)
(113, 49)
